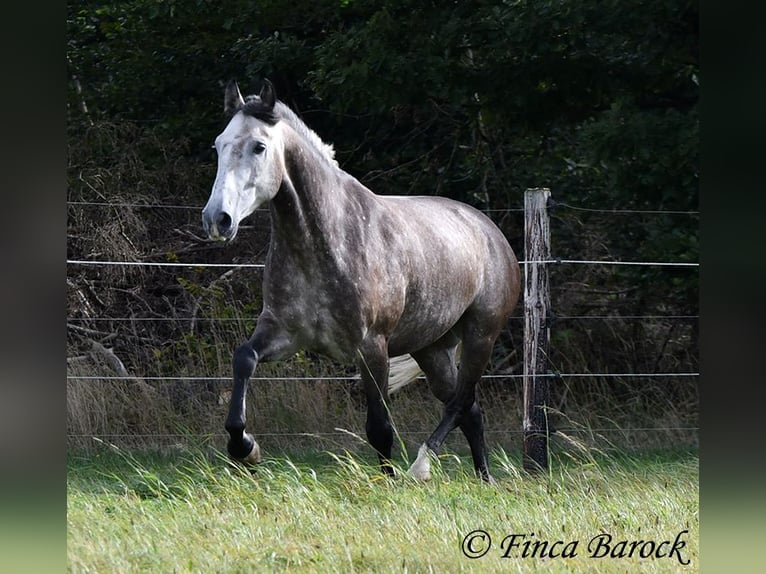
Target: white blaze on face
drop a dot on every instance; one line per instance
(249, 173)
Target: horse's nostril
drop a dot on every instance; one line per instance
(224, 222)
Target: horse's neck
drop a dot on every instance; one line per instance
(309, 211)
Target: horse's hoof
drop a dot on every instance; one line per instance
(255, 455)
(420, 470)
(245, 451)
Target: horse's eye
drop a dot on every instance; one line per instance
(258, 148)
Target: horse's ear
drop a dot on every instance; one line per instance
(268, 95)
(232, 99)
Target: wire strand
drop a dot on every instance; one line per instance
(194, 378)
(595, 262)
(624, 211)
(311, 434)
(254, 318)
(262, 265)
(163, 264)
(489, 210)
(135, 205)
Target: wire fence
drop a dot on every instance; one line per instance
(202, 265)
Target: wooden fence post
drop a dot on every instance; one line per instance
(536, 328)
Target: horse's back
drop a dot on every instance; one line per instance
(455, 233)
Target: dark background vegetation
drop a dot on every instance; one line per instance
(474, 100)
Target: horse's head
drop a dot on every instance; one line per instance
(249, 161)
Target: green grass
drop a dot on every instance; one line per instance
(196, 512)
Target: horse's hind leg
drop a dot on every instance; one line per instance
(373, 365)
(267, 343)
(461, 407)
(438, 362)
(472, 425)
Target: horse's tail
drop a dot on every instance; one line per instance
(402, 371)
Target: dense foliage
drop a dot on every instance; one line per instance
(476, 100)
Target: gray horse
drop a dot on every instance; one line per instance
(358, 276)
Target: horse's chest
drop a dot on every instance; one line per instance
(320, 314)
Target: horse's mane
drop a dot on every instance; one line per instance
(280, 111)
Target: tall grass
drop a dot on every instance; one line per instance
(197, 512)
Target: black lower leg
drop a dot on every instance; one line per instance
(450, 420)
(381, 436)
(240, 443)
(472, 425)
(373, 365)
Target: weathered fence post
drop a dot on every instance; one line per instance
(536, 328)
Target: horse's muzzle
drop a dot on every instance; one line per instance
(218, 226)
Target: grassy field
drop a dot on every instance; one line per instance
(193, 511)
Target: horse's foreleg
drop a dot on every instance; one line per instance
(267, 343)
(241, 445)
(373, 365)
